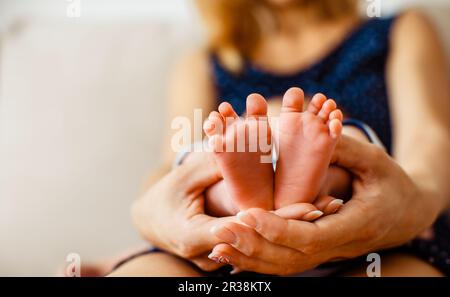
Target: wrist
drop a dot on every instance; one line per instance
(361, 131)
(355, 133)
(431, 200)
(140, 218)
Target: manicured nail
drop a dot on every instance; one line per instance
(313, 215)
(337, 201)
(235, 270)
(247, 219)
(224, 234)
(214, 257)
(224, 260)
(336, 204)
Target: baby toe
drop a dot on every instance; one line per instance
(256, 105)
(316, 103)
(328, 107)
(293, 100)
(227, 112)
(336, 115)
(335, 127)
(215, 142)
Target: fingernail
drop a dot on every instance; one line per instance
(224, 234)
(313, 215)
(235, 270)
(214, 257)
(336, 204)
(224, 260)
(247, 219)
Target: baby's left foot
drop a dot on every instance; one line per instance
(306, 142)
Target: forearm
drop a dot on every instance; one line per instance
(420, 102)
(430, 167)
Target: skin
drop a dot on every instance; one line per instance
(415, 180)
(279, 243)
(179, 197)
(418, 83)
(241, 163)
(307, 140)
(278, 246)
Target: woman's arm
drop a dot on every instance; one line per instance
(190, 87)
(386, 210)
(420, 101)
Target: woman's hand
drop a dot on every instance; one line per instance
(170, 215)
(387, 209)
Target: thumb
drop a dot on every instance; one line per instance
(198, 174)
(356, 156)
(198, 231)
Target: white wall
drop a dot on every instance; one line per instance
(168, 10)
(389, 6)
(165, 10)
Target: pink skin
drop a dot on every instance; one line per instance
(306, 142)
(248, 181)
(218, 200)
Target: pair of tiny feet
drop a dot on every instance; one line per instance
(305, 141)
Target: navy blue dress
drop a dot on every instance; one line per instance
(354, 74)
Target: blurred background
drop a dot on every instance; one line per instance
(82, 100)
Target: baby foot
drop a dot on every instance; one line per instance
(306, 143)
(241, 148)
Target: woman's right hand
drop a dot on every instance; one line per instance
(170, 215)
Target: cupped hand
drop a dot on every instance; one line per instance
(387, 209)
(171, 214)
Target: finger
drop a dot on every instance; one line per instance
(356, 156)
(328, 204)
(195, 236)
(226, 254)
(276, 229)
(346, 225)
(196, 175)
(298, 211)
(205, 264)
(248, 242)
(326, 232)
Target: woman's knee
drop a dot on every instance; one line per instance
(400, 265)
(156, 264)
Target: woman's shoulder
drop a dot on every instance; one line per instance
(194, 61)
(414, 18)
(192, 70)
(413, 29)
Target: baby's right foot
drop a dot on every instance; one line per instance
(306, 142)
(245, 165)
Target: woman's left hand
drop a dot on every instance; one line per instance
(170, 214)
(386, 210)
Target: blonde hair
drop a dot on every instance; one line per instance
(235, 26)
